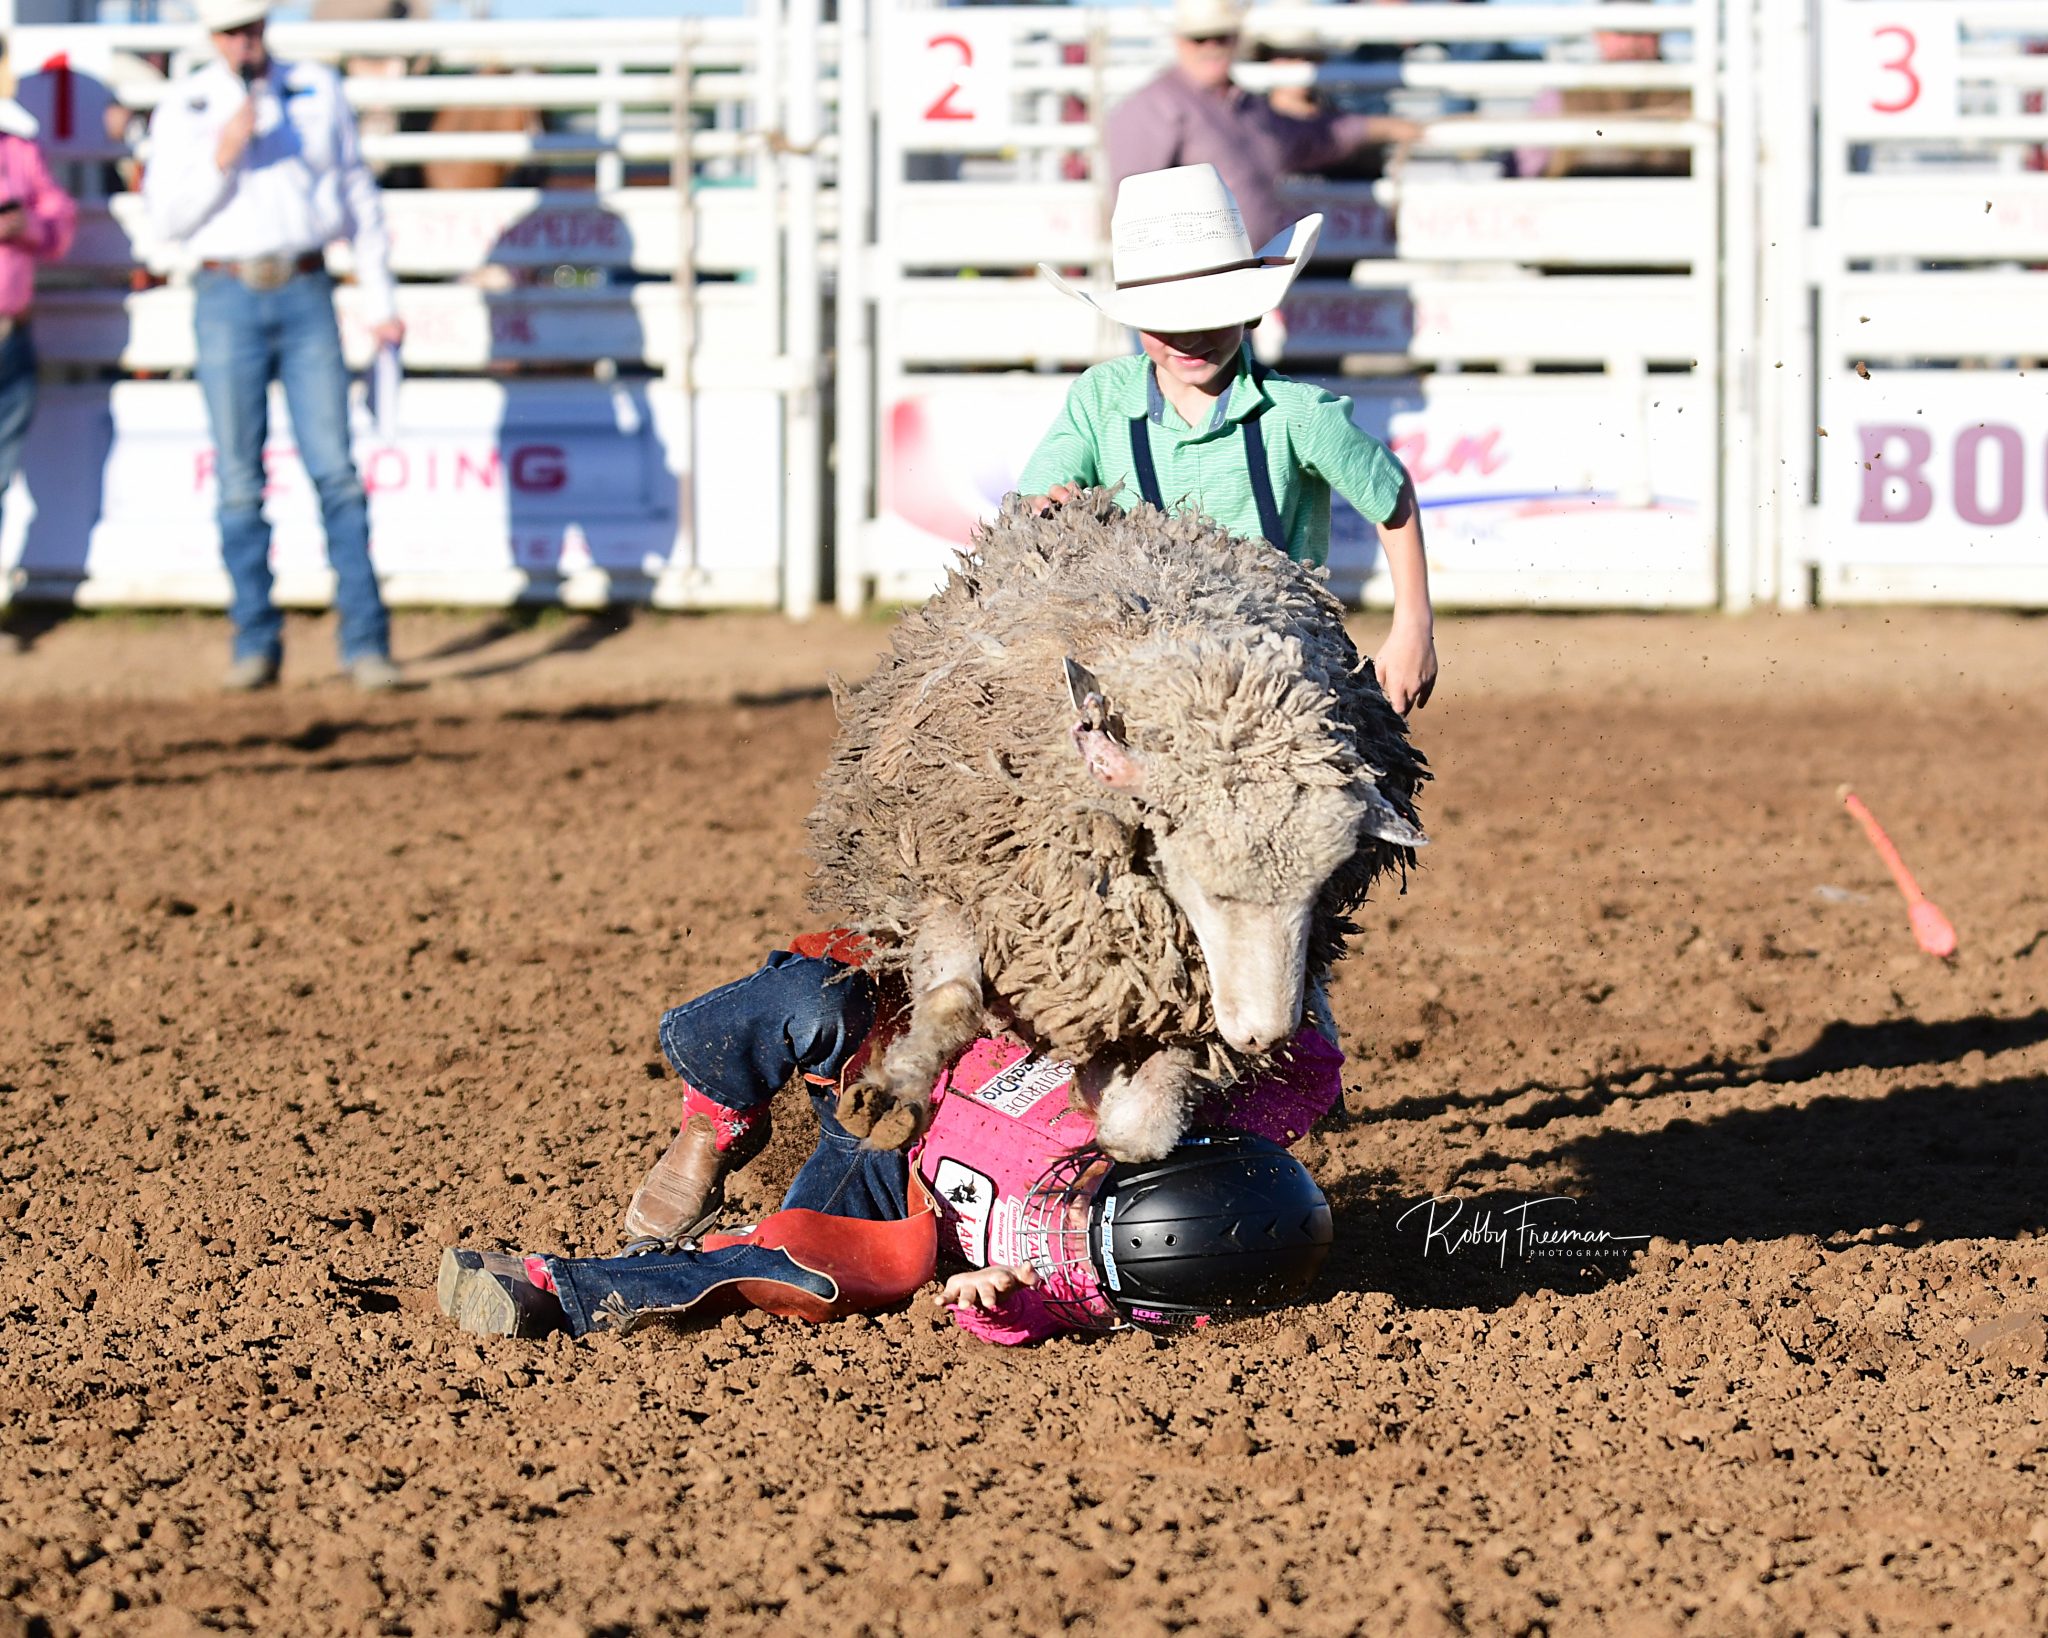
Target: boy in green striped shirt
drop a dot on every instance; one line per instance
(1196, 422)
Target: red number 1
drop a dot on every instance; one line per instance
(1902, 65)
(944, 106)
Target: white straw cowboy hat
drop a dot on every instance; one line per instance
(1208, 19)
(217, 15)
(1181, 259)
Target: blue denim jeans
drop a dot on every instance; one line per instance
(743, 1042)
(738, 1045)
(247, 339)
(17, 400)
(840, 1179)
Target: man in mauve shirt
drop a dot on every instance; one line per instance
(1193, 115)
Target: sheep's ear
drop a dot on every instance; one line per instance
(1113, 763)
(1099, 734)
(1385, 821)
(1091, 703)
(1080, 682)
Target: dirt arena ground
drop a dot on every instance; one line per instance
(304, 987)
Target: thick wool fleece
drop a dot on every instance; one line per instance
(955, 779)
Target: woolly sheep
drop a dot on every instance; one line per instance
(1117, 787)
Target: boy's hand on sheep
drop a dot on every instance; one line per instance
(1406, 664)
(983, 1288)
(1059, 495)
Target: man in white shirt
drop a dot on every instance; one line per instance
(254, 167)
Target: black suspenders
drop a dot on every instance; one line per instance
(1255, 468)
(1262, 484)
(1141, 460)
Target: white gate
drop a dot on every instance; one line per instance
(640, 422)
(1544, 354)
(1930, 440)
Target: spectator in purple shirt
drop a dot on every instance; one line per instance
(1193, 115)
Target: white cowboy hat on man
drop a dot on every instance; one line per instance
(1208, 19)
(1181, 261)
(218, 16)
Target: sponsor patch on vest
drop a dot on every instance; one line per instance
(1006, 1235)
(1018, 1090)
(968, 1195)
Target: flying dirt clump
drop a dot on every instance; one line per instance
(1118, 787)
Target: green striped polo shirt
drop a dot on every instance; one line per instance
(1312, 447)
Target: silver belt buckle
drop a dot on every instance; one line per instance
(267, 272)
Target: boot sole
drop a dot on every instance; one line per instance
(474, 1299)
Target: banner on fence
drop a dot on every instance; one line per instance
(1937, 470)
(486, 488)
(1581, 490)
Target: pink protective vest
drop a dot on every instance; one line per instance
(1000, 1119)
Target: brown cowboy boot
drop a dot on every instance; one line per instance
(685, 1191)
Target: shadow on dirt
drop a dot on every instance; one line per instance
(72, 790)
(320, 735)
(372, 1294)
(1442, 1254)
(475, 642)
(803, 694)
(1907, 1167)
(581, 637)
(1903, 1043)
(1920, 1164)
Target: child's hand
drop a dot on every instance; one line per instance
(1406, 663)
(983, 1287)
(1058, 495)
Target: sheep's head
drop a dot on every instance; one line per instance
(1252, 800)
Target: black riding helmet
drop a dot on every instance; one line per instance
(1224, 1224)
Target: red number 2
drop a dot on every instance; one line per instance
(944, 107)
(1901, 65)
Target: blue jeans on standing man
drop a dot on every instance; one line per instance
(247, 339)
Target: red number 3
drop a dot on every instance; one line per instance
(1901, 65)
(944, 107)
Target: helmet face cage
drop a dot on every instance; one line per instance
(1056, 1229)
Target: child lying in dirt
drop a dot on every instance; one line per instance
(1054, 1235)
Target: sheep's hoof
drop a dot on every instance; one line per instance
(1126, 1139)
(880, 1119)
(899, 1128)
(860, 1105)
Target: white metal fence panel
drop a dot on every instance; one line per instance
(1931, 435)
(601, 383)
(1570, 327)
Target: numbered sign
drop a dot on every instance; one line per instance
(1893, 67)
(950, 72)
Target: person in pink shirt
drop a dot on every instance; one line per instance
(1045, 1232)
(37, 221)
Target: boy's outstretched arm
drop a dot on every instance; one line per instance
(1406, 662)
